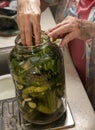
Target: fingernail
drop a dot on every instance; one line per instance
(47, 32)
(51, 39)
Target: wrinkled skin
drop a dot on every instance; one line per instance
(28, 20)
(71, 28)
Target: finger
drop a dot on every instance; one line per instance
(69, 37)
(37, 34)
(23, 40)
(51, 29)
(57, 26)
(28, 32)
(60, 32)
(37, 30)
(22, 30)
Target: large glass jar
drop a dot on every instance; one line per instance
(38, 75)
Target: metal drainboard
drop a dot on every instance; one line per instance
(11, 119)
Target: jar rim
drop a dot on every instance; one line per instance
(18, 41)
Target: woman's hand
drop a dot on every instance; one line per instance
(72, 28)
(28, 20)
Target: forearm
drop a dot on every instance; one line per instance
(41, 3)
(32, 1)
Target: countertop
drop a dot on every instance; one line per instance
(82, 111)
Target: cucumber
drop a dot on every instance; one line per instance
(32, 105)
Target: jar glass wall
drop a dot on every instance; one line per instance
(39, 78)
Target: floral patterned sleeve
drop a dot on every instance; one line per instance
(61, 6)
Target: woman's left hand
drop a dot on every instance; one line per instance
(71, 28)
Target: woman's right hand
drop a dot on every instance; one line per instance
(28, 20)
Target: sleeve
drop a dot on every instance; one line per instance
(52, 2)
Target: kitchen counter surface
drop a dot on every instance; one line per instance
(82, 111)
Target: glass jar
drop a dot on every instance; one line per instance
(38, 75)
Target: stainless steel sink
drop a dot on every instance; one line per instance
(4, 53)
